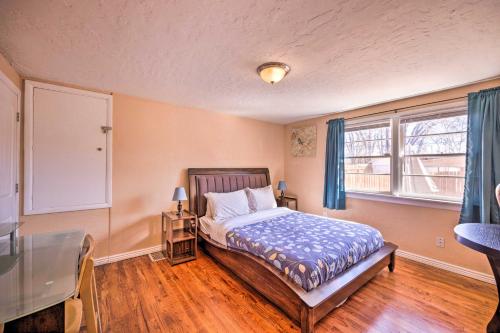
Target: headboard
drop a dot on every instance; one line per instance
(220, 180)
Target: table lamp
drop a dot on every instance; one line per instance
(282, 188)
(179, 195)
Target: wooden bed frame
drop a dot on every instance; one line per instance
(305, 308)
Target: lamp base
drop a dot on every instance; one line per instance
(179, 208)
(282, 195)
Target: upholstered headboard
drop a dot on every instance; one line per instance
(202, 181)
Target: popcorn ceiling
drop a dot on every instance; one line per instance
(343, 54)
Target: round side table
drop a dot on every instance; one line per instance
(484, 238)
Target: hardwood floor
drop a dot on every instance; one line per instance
(137, 295)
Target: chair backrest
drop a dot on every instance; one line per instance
(88, 295)
(87, 253)
(86, 286)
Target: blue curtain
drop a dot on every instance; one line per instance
(482, 171)
(334, 193)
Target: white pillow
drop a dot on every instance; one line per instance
(227, 205)
(261, 198)
(208, 211)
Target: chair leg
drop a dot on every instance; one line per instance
(96, 304)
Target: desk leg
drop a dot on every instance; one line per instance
(13, 243)
(494, 325)
(47, 320)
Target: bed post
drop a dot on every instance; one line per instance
(392, 262)
(306, 319)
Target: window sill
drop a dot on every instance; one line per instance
(438, 204)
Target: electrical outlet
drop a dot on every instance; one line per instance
(440, 241)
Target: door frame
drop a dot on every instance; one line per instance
(17, 154)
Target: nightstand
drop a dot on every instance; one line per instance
(289, 202)
(179, 236)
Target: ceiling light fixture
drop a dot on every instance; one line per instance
(273, 72)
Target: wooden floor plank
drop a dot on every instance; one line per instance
(137, 295)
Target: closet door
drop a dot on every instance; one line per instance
(68, 149)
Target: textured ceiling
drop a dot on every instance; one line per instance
(343, 54)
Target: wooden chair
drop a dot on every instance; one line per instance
(72, 315)
(85, 298)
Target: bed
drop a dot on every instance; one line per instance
(318, 290)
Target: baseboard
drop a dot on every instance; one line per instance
(127, 255)
(404, 254)
(447, 267)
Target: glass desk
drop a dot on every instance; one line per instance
(41, 272)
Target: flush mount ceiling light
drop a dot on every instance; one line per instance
(273, 72)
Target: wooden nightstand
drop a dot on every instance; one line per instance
(179, 236)
(289, 202)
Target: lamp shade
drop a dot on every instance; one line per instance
(179, 194)
(281, 185)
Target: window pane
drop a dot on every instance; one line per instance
(368, 148)
(455, 143)
(434, 165)
(368, 174)
(433, 186)
(363, 172)
(367, 183)
(456, 123)
(374, 140)
(368, 165)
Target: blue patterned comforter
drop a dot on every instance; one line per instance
(309, 249)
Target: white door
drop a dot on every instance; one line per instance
(67, 151)
(9, 150)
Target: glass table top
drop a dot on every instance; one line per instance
(41, 272)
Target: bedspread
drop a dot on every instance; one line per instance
(308, 249)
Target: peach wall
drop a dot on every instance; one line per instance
(413, 228)
(153, 146)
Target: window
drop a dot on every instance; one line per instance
(419, 153)
(433, 155)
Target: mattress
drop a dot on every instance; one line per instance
(308, 249)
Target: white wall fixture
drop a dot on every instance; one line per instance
(67, 149)
(10, 100)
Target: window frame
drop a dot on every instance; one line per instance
(397, 155)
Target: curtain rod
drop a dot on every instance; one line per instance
(396, 110)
